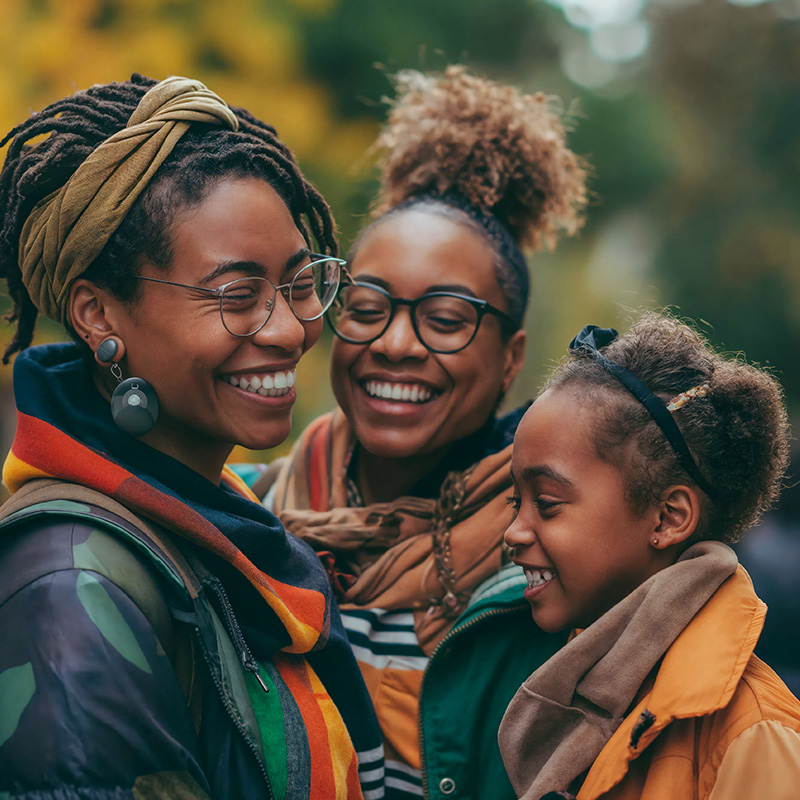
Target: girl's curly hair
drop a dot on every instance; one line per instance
(737, 432)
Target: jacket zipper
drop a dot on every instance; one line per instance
(248, 662)
(234, 631)
(452, 634)
(232, 714)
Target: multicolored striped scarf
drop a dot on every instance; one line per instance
(279, 590)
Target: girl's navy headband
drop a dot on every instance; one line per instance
(590, 340)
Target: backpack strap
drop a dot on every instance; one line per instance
(31, 497)
(139, 579)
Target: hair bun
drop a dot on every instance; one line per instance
(504, 151)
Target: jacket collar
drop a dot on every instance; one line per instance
(714, 650)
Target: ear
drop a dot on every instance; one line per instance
(94, 314)
(514, 358)
(679, 517)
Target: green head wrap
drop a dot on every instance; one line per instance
(66, 231)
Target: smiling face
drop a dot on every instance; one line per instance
(215, 389)
(582, 545)
(402, 400)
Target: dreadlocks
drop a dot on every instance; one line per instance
(75, 126)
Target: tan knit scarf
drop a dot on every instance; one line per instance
(563, 715)
(423, 554)
(66, 231)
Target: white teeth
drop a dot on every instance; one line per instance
(536, 577)
(402, 392)
(275, 384)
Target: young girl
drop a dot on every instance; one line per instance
(642, 458)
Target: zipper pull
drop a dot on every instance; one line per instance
(251, 665)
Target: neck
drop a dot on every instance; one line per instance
(206, 457)
(381, 480)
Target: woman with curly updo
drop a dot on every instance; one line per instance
(402, 490)
(160, 634)
(644, 456)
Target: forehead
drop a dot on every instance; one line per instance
(415, 250)
(557, 432)
(240, 219)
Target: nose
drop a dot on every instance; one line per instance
(399, 341)
(285, 331)
(519, 534)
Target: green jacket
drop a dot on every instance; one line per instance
(470, 679)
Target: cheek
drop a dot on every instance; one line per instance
(313, 331)
(343, 357)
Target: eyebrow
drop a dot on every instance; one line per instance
(252, 267)
(531, 473)
(457, 288)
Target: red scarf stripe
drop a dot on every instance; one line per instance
(63, 457)
(319, 484)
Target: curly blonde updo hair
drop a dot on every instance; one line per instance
(737, 432)
(487, 155)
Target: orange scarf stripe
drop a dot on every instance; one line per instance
(338, 738)
(230, 478)
(296, 676)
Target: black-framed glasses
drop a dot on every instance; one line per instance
(246, 304)
(445, 322)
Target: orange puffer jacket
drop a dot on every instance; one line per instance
(717, 723)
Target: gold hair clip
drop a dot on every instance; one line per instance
(684, 397)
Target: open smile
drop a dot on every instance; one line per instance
(398, 392)
(538, 578)
(267, 384)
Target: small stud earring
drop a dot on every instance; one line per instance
(655, 542)
(134, 403)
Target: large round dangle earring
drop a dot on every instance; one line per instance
(134, 403)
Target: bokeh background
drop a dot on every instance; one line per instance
(688, 111)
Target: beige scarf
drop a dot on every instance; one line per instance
(423, 554)
(563, 715)
(66, 231)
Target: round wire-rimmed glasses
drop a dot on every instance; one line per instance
(246, 304)
(445, 322)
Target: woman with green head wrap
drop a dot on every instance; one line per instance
(160, 635)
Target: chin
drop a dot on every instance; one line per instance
(267, 439)
(549, 625)
(395, 446)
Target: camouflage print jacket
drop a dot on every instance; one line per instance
(88, 605)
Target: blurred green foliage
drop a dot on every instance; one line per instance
(694, 145)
